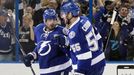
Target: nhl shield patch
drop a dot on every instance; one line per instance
(72, 34)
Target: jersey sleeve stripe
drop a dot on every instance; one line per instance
(84, 56)
(97, 59)
(56, 68)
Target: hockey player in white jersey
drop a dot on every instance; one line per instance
(51, 50)
(84, 41)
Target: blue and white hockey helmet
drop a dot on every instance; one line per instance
(49, 14)
(68, 7)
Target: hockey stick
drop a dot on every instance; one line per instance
(24, 54)
(112, 21)
(21, 48)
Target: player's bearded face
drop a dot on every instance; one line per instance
(50, 24)
(66, 18)
(63, 16)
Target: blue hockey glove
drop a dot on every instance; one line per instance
(28, 60)
(61, 40)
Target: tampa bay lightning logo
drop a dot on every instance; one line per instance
(115, 45)
(72, 34)
(42, 47)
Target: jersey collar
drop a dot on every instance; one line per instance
(44, 29)
(74, 22)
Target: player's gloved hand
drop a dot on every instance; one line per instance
(61, 40)
(28, 60)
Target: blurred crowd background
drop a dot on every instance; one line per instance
(7, 30)
(118, 38)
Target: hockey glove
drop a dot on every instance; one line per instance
(28, 60)
(61, 40)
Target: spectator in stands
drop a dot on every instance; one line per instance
(84, 6)
(6, 52)
(130, 29)
(11, 15)
(29, 9)
(22, 6)
(117, 45)
(26, 35)
(102, 19)
(123, 18)
(32, 3)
